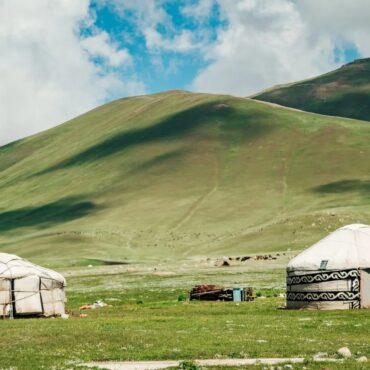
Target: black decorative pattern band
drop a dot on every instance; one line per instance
(323, 296)
(323, 276)
(355, 285)
(355, 304)
(352, 295)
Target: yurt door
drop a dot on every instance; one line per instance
(365, 288)
(27, 296)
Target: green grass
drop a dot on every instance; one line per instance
(147, 322)
(344, 92)
(176, 174)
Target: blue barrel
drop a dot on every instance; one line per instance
(237, 294)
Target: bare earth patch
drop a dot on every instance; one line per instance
(153, 365)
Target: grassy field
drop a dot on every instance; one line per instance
(168, 176)
(344, 92)
(147, 322)
(160, 184)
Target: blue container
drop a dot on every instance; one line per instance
(237, 294)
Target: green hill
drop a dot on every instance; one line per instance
(177, 175)
(344, 92)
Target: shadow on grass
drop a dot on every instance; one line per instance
(344, 186)
(47, 215)
(161, 159)
(172, 127)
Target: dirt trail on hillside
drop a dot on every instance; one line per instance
(201, 200)
(275, 105)
(194, 208)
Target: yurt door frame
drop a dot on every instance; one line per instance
(365, 288)
(26, 296)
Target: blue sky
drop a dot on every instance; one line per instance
(159, 69)
(64, 58)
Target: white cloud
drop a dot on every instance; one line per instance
(182, 42)
(199, 10)
(99, 45)
(147, 14)
(267, 42)
(345, 21)
(47, 70)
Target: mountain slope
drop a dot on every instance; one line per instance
(344, 92)
(177, 175)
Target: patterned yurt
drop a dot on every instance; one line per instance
(333, 273)
(29, 290)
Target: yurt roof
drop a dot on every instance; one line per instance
(345, 248)
(14, 267)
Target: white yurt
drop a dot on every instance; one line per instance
(29, 290)
(333, 273)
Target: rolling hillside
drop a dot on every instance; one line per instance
(176, 175)
(344, 92)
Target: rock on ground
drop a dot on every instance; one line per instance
(362, 359)
(344, 352)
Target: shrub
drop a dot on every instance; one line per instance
(188, 365)
(182, 297)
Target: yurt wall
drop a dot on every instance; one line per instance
(324, 290)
